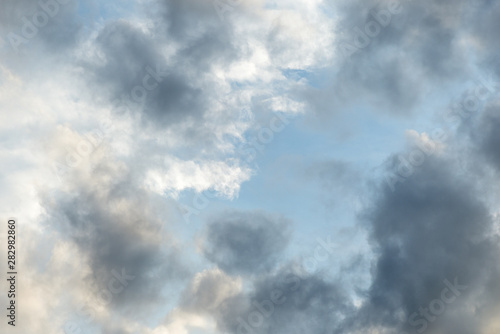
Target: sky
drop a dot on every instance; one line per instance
(251, 166)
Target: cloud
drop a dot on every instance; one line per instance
(181, 91)
(286, 301)
(433, 227)
(208, 289)
(121, 233)
(246, 242)
(54, 26)
(389, 58)
(485, 132)
(125, 69)
(223, 178)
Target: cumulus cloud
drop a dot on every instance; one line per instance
(391, 54)
(182, 175)
(434, 228)
(246, 242)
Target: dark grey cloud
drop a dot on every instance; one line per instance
(246, 242)
(485, 133)
(206, 39)
(420, 49)
(183, 18)
(132, 63)
(309, 303)
(434, 226)
(484, 30)
(119, 231)
(381, 82)
(187, 90)
(286, 302)
(55, 25)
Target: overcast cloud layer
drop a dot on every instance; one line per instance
(252, 166)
